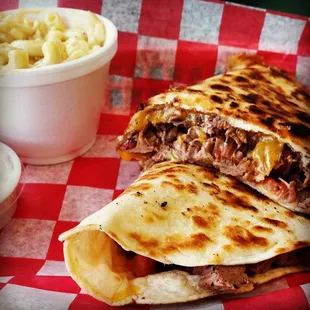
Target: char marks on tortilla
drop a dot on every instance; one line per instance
(281, 109)
(257, 95)
(212, 221)
(252, 122)
(186, 206)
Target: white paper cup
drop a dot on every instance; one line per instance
(51, 114)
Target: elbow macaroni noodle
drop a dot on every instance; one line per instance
(26, 43)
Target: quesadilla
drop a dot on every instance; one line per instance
(253, 123)
(182, 232)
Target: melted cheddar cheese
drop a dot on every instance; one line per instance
(202, 136)
(142, 118)
(139, 120)
(267, 153)
(127, 156)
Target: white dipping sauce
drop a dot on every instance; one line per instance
(10, 173)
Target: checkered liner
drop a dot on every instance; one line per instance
(160, 43)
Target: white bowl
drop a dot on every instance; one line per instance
(51, 114)
(10, 188)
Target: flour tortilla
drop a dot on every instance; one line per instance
(250, 96)
(259, 92)
(183, 215)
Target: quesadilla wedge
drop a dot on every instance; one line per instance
(253, 123)
(181, 232)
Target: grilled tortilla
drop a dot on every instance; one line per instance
(253, 123)
(182, 232)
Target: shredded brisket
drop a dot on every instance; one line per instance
(260, 267)
(227, 279)
(208, 140)
(230, 278)
(222, 278)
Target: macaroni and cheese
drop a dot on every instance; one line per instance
(27, 43)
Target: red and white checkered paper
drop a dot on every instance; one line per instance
(160, 43)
